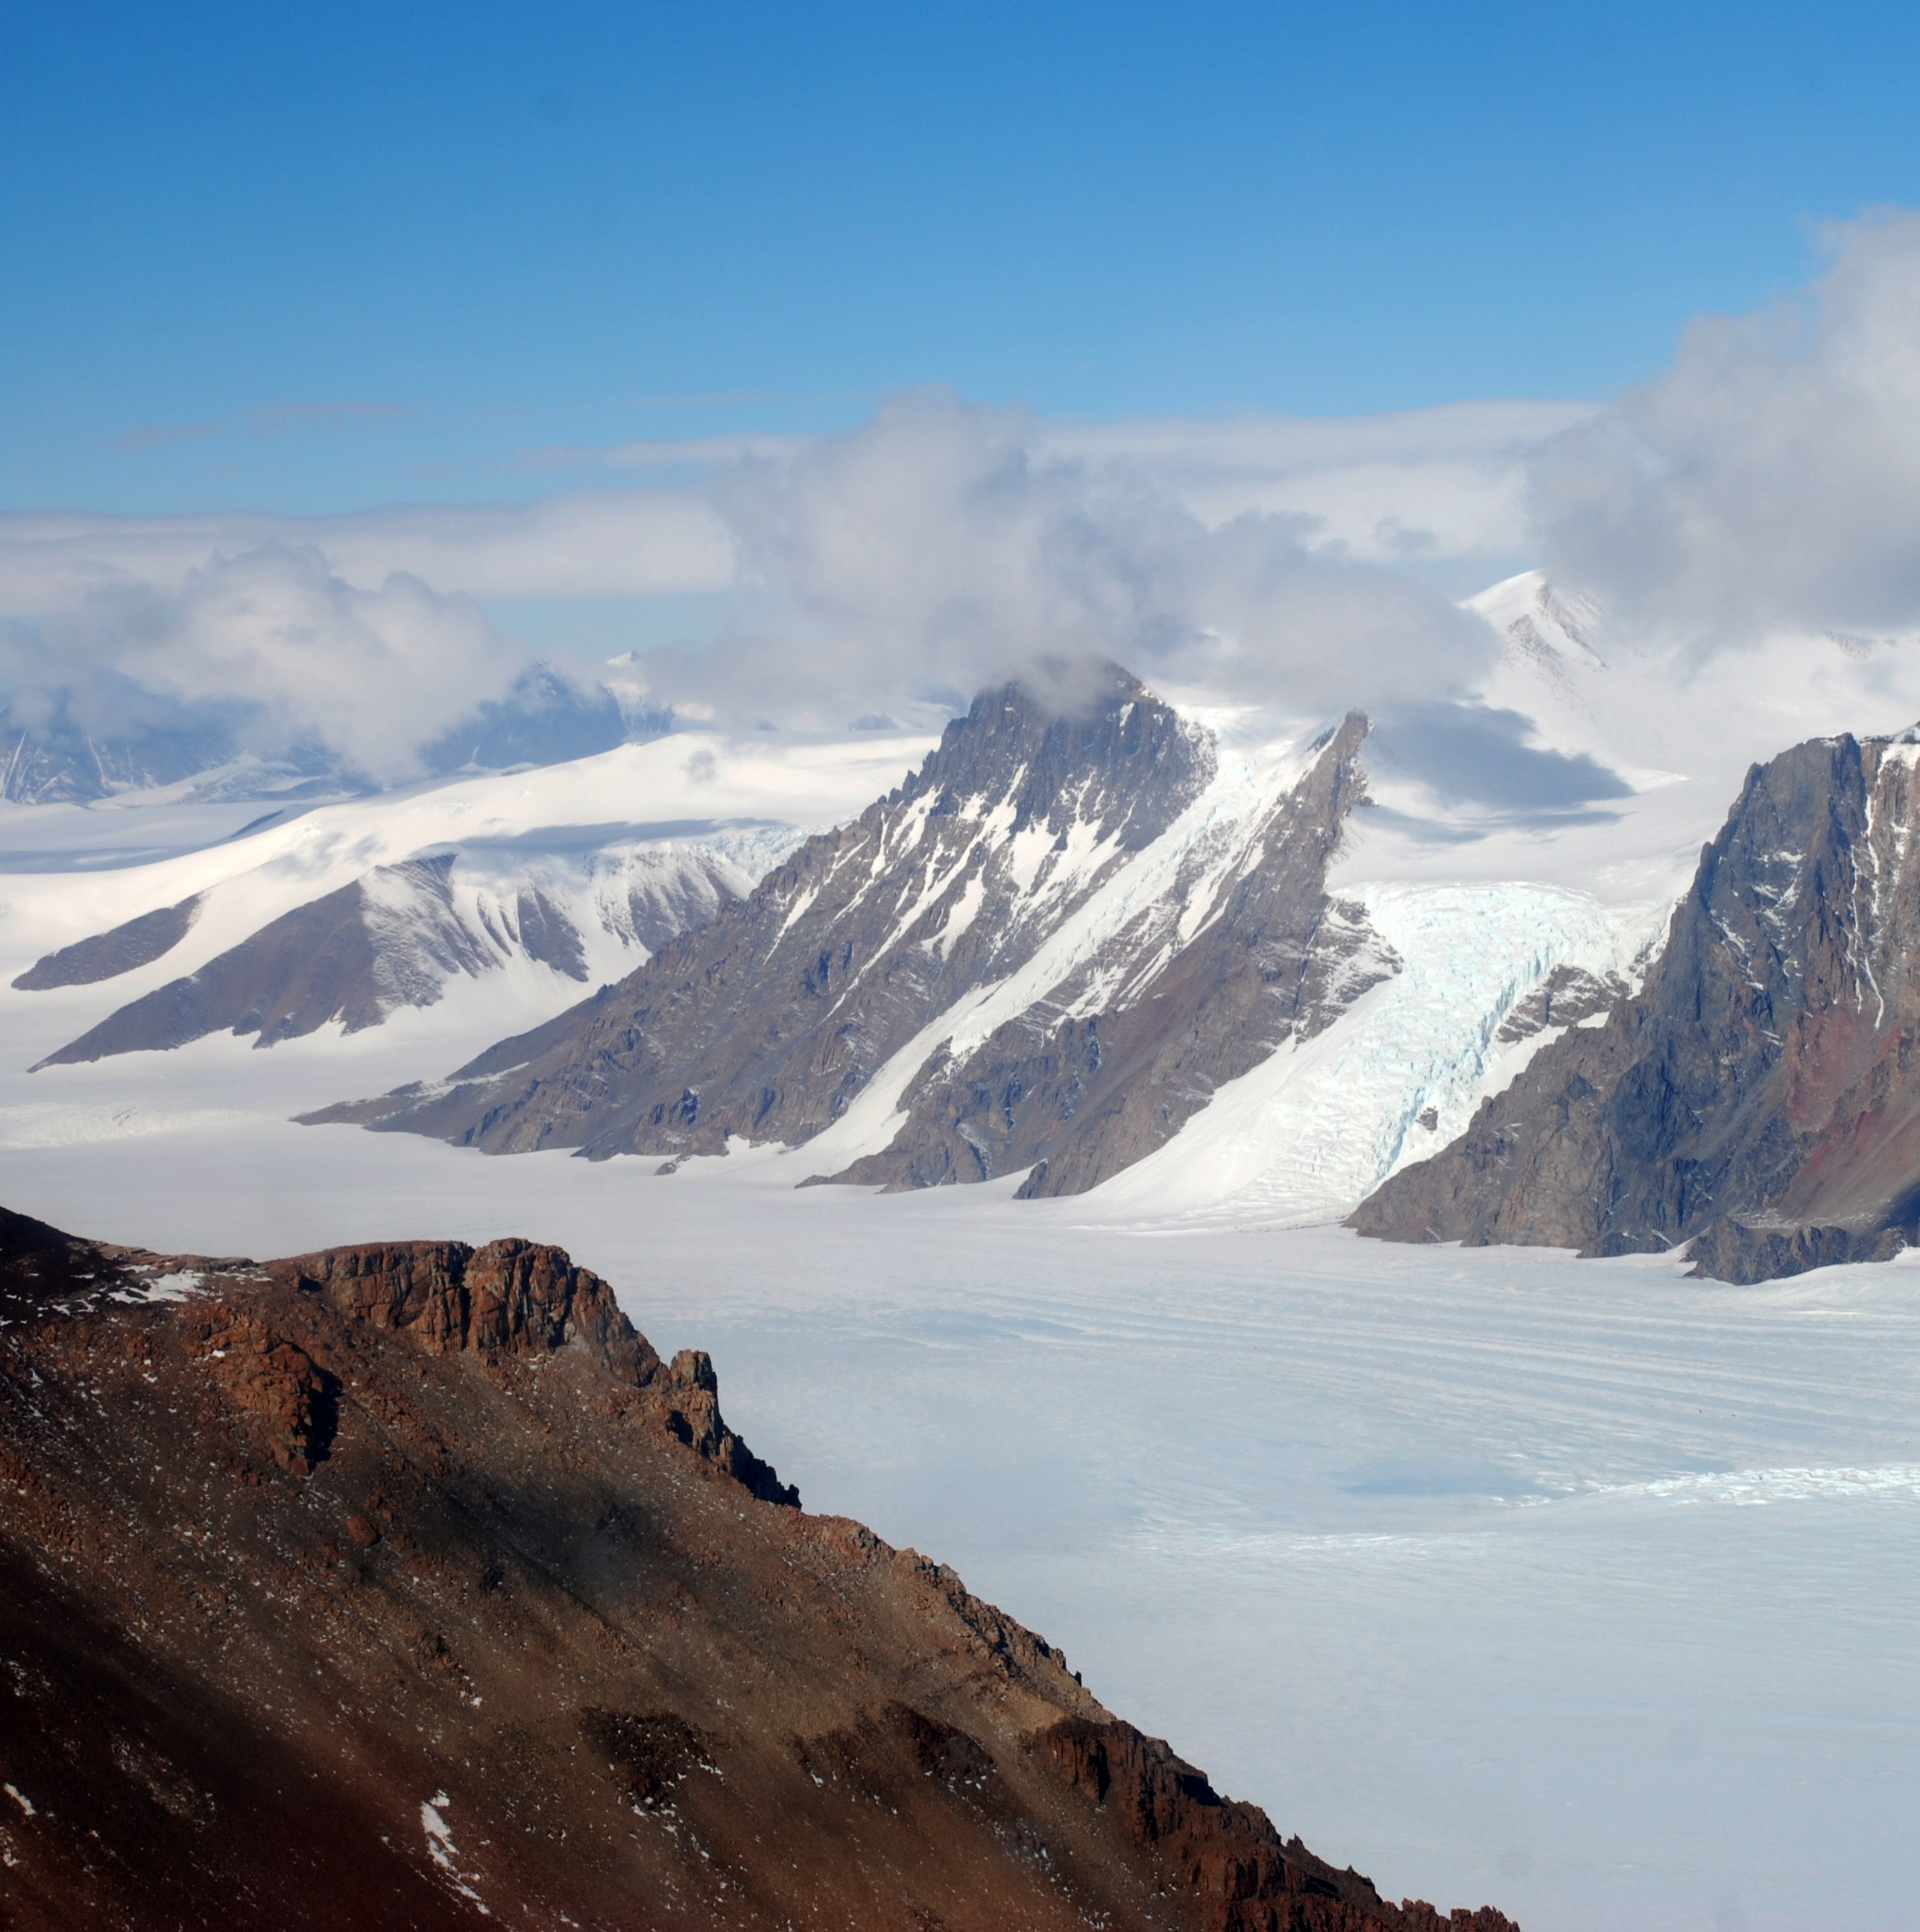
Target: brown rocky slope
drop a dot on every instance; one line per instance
(404, 1585)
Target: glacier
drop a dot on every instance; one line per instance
(1315, 1129)
(1576, 1586)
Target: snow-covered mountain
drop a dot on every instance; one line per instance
(1106, 951)
(491, 899)
(1201, 966)
(397, 935)
(1043, 951)
(57, 748)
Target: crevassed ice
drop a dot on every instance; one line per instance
(1307, 1135)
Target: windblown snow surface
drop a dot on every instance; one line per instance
(1574, 1585)
(1577, 1587)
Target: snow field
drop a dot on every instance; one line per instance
(1572, 1586)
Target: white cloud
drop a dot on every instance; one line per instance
(1771, 478)
(611, 544)
(892, 569)
(1767, 484)
(942, 545)
(274, 647)
(1445, 482)
(357, 632)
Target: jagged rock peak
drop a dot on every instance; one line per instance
(769, 1023)
(1228, 949)
(1762, 1091)
(1095, 746)
(1052, 944)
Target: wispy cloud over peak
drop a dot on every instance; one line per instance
(1770, 477)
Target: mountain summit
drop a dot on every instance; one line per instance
(1760, 1095)
(1045, 949)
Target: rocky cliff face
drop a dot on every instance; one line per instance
(1760, 1095)
(1045, 945)
(1243, 953)
(404, 1585)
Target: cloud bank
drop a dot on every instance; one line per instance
(1770, 480)
(944, 545)
(268, 650)
(1767, 485)
(1445, 482)
(884, 573)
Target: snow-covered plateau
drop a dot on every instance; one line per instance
(1576, 1586)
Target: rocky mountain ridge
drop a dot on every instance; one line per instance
(390, 939)
(405, 1585)
(1045, 949)
(1759, 1097)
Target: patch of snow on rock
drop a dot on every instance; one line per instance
(441, 1849)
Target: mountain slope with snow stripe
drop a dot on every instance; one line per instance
(769, 1023)
(547, 868)
(1326, 1119)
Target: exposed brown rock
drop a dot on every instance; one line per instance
(386, 1586)
(271, 1380)
(1760, 1095)
(105, 955)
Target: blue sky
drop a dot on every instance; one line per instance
(303, 260)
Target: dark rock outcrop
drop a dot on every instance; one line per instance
(769, 1023)
(1760, 1095)
(400, 1585)
(105, 955)
(323, 961)
(1566, 997)
(1077, 1099)
(1732, 1251)
(1245, 1879)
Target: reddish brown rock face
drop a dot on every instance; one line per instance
(1759, 1097)
(380, 1587)
(272, 1381)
